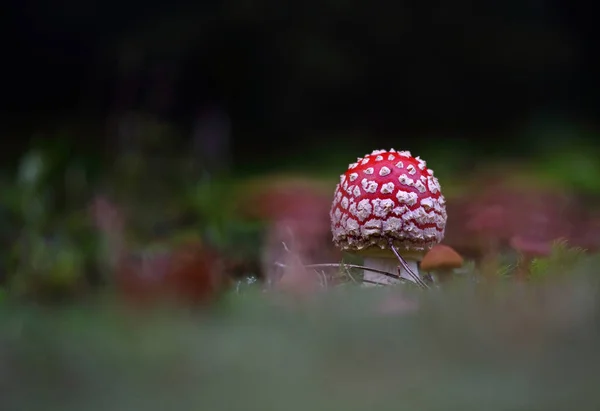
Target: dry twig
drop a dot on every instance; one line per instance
(410, 272)
(342, 265)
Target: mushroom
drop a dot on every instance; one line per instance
(441, 259)
(388, 201)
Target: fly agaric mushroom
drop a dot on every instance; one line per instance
(441, 259)
(388, 198)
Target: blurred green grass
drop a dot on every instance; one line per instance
(464, 349)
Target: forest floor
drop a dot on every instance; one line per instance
(84, 328)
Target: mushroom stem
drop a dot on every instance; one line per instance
(442, 275)
(390, 265)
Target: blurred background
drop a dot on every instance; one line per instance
(187, 152)
(155, 119)
(282, 78)
(184, 117)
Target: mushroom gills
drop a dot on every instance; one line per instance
(390, 265)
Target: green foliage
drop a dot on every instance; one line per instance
(211, 201)
(561, 261)
(50, 240)
(506, 271)
(564, 153)
(40, 263)
(213, 204)
(578, 168)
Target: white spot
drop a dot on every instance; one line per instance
(345, 186)
(371, 227)
(349, 189)
(338, 196)
(384, 171)
(369, 170)
(399, 164)
(342, 178)
(404, 153)
(382, 207)
(440, 221)
(420, 186)
(427, 203)
(430, 171)
(353, 165)
(433, 184)
(337, 215)
(356, 191)
(365, 161)
(353, 176)
(412, 231)
(379, 158)
(400, 210)
(433, 234)
(352, 209)
(392, 225)
(407, 197)
(339, 232)
(406, 180)
(422, 163)
(421, 216)
(411, 169)
(364, 209)
(392, 150)
(344, 203)
(352, 226)
(375, 152)
(391, 157)
(344, 219)
(387, 188)
(369, 186)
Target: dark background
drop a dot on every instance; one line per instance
(289, 73)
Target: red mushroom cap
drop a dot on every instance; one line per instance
(388, 194)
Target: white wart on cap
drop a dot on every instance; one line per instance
(388, 194)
